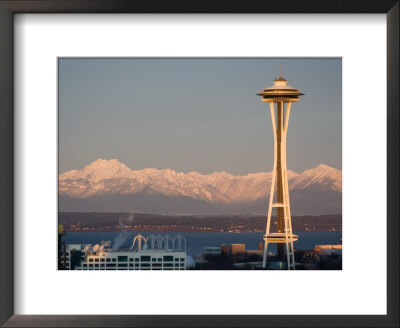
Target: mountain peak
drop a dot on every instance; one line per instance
(323, 175)
(99, 163)
(324, 167)
(100, 169)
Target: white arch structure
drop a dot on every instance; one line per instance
(179, 239)
(162, 242)
(139, 239)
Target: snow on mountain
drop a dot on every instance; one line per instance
(323, 176)
(244, 188)
(110, 177)
(99, 170)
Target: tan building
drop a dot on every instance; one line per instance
(237, 248)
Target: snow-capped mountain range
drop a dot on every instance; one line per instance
(108, 185)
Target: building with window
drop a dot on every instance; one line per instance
(237, 249)
(151, 253)
(211, 251)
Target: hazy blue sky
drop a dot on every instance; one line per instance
(195, 114)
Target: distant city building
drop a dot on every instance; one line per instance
(224, 249)
(255, 252)
(62, 261)
(161, 252)
(74, 255)
(328, 249)
(210, 250)
(237, 248)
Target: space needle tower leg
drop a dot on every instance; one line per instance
(282, 95)
(271, 195)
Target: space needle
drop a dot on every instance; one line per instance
(280, 97)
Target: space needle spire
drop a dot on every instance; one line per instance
(280, 97)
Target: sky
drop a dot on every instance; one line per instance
(190, 114)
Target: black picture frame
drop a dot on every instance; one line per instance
(10, 7)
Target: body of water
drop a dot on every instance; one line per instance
(196, 241)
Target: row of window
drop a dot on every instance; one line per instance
(118, 269)
(130, 265)
(67, 255)
(136, 259)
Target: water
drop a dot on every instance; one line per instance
(196, 241)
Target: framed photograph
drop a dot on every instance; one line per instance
(188, 158)
(197, 197)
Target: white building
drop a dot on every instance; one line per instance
(151, 253)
